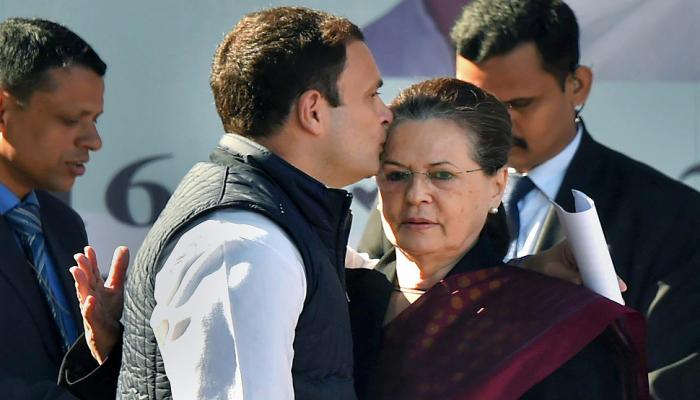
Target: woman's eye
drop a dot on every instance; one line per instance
(441, 175)
(398, 176)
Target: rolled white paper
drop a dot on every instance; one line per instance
(590, 250)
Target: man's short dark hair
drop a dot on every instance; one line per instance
(273, 56)
(489, 28)
(31, 47)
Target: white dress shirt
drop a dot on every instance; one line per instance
(227, 303)
(547, 178)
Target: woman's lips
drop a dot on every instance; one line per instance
(418, 223)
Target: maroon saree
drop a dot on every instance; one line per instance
(495, 333)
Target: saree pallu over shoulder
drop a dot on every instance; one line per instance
(495, 333)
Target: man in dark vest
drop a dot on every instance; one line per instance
(239, 290)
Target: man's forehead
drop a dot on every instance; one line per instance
(68, 76)
(468, 71)
(360, 62)
(70, 88)
(506, 76)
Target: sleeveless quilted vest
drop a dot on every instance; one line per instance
(245, 175)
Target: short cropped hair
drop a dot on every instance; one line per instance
(485, 120)
(273, 56)
(489, 28)
(29, 48)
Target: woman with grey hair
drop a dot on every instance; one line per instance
(441, 316)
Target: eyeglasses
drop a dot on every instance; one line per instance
(394, 179)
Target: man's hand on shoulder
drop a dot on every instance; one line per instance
(101, 302)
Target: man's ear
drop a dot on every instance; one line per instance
(311, 111)
(5, 99)
(578, 85)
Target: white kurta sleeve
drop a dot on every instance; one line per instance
(227, 303)
(355, 259)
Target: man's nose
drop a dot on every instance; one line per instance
(386, 114)
(90, 138)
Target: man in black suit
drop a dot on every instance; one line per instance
(51, 90)
(526, 52)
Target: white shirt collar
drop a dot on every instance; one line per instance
(549, 175)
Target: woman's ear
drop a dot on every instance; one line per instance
(311, 111)
(500, 180)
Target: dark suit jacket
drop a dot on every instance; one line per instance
(30, 344)
(652, 227)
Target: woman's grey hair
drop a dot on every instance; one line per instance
(485, 119)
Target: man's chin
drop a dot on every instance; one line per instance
(518, 159)
(62, 186)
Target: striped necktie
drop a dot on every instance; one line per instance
(523, 186)
(24, 219)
